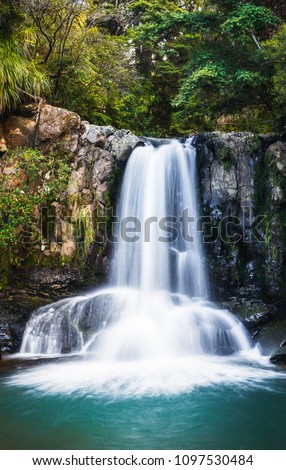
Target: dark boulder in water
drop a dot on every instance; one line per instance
(279, 357)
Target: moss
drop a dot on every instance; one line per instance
(5, 270)
(278, 180)
(226, 158)
(114, 183)
(262, 193)
(256, 144)
(31, 260)
(66, 261)
(270, 273)
(85, 232)
(111, 195)
(38, 181)
(51, 261)
(282, 219)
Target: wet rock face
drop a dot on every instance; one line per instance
(15, 310)
(227, 169)
(243, 184)
(253, 313)
(121, 144)
(277, 152)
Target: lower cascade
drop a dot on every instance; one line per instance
(152, 330)
(156, 304)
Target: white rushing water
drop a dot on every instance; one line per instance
(156, 309)
(159, 187)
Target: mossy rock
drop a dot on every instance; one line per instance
(253, 314)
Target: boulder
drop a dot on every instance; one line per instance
(3, 143)
(277, 153)
(121, 144)
(19, 132)
(57, 126)
(96, 135)
(279, 356)
(254, 314)
(15, 311)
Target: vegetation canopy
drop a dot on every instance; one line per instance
(157, 67)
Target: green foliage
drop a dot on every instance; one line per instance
(274, 50)
(206, 64)
(17, 211)
(226, 158)
(19, 76)
(85, 231)
(28, 179)
(157, 67)
(224, 75)
(246, 21)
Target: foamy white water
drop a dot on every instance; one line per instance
(125, 379)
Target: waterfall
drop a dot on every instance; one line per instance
(157, 302)
(159, 189)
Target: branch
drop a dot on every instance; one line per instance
(29, 94)
(255, 39)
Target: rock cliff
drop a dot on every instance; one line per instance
(243, 197)
(71, 249)
(243, 189)
(243, 193)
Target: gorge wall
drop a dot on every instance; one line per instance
(243, 189)
(242, 176)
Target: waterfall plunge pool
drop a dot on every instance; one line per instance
(204, 403)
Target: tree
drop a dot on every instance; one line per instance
(158, 67)
(277, 6)
(225, 74)
(274, 50)
(160, 49)
(89, 68)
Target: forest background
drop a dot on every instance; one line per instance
(156, 67)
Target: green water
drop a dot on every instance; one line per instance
(212, 417)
